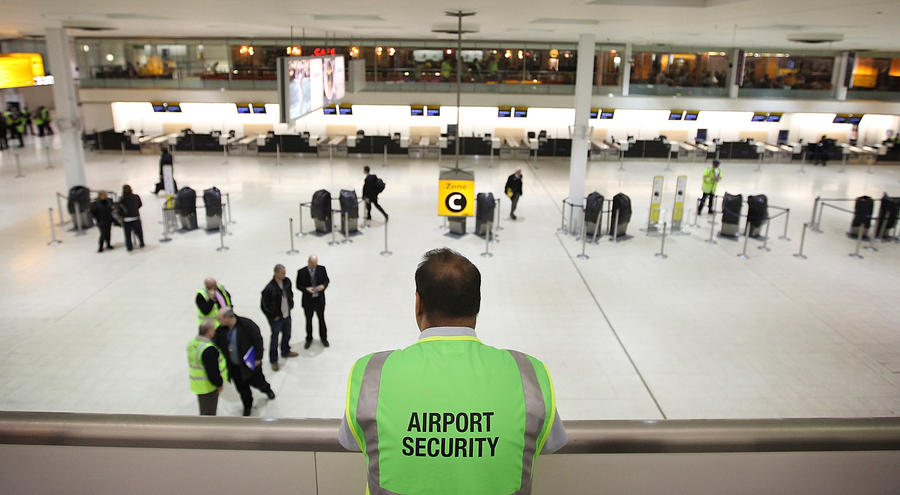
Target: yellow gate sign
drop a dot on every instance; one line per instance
(456, 198)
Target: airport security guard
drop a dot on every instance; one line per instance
(208, 370)
(711, 178)
(450, 414)
(210, 299)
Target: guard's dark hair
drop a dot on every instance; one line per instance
(715, 163)
(448, 284)
(366, 169)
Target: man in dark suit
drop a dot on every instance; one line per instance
(236, 336)
(276, 302)
(372, 187)
(513, 189)
(312, 282)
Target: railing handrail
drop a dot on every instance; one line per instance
(591, 436)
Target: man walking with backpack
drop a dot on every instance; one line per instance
(372, 187)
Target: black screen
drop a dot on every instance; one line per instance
(774, 118)
(690, 116)
(434, 112)
(607, 115)
(701, 135)
(243, 109)
(259, 109)
(593, 114)
(416, 112)
(346, 110)
(329, 110)
(674, 116)
(520, 113)
(159, 108)
(758, 118)
(503, 112)
(173, 108)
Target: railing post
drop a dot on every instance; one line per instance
(855, 254)
(662, 245)
(812, 221)
(384, 161)
(598, 225)
(386, 252)
(712, 228)
(78, 230)
(291, 227)
(802, 242)
(300, 216)
(487, 241)
(333, 241)
(222, 246)
(562, 222)
(123, 149)
(278, 153)
(583, 256)
(165, 222)
(345, 219)
(60, 210)
(53, 241)
(787, 219)
(614, 228)
(765, 246)
(228, 204)
(498, 213)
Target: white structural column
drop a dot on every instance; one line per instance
(626, 69)
(65, 98)
(584, 78)
(733, 83)
(839, 76)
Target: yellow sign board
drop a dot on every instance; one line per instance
(19, 69)
(456, 198)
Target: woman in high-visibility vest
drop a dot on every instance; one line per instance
(711, 178)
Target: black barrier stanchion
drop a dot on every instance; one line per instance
(291, 227)
(662, 243)
(743, 253)
(222, 246)
(802, 242)
(53, 240)
(386, 252)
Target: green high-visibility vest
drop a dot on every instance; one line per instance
(709, 185)
(45, 116)
(200, 383)
(214, 311)
(450, 415)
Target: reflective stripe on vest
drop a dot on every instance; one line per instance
(214, 311)
(365, 390)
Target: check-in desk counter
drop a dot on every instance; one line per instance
(686, 151)
(425, 147)
(739, 150)
(330, 146)
(599, 149)
(514, 149)
(648, 149)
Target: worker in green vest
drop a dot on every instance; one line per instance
(16, 127)
(446, 69)
(208, 370)
(210, 299)
(450, 414)
(711, 177)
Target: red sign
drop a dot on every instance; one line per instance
(318, 52)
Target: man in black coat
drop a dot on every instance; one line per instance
(4, 144)
(312, 282)
(240, 340)
(276, 303)
(513, 189)
(130, 205)
(165, 158)
(372, 187)
(102, 211)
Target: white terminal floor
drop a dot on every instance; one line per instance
(626, 335)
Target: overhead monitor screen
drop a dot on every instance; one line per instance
(675, 115)
(417, 111)
(594, 113)
(782, 136)
(173, 107)
(158, 107)
(309, 83)
(701, 136)
(520, 112)
(345, 110)
(691, 115)
(330, 110)
(504, 112)
(848, 118)
(433, 111)
(607, 113)
(242, 107)
(759, 117)
(259, 108)
(21, 69)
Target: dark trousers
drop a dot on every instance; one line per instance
(4, 144)
(45, 129)
(135, 227)
(317, 306)
(712, 199)
(105, 234)
(369, 203)
(14, 134)
(283, 327)
(208, 403)
(514, 201)
(256, 380)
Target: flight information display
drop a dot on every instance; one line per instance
(307, 84)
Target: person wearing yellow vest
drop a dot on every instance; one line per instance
(208, 371)
(711, 177)
(211, 299)
(450, 414)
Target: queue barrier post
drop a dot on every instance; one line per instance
(278, 154)
(802, 162)
(787, 219)
(386, 252)
(614, 228)
(859, 237)
(598, 225)
(19, 174)
(59, 209)
(712, 229)
(812, 221)
(222, 246)
(123, 150)
(300, 216)
(228, 203)
(78, 230)
(53, 240)
(765, 247)
(662, 244)
(497, 201)
(743, 253)
(47, 155)
(165, 222)
(345, 217)
(800, 254)
(583, 256)
(333, 241)
(487, 241)
(562, 223)
(291, 227)
(384, 161)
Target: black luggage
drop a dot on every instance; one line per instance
(732, 205)
(621, 215)
(186, 208)
(212, 200)
(484, 212)
(593, 213)
(887, 216)
(81, 196)
(321, 211)
(862, 215)
(757, 213)
(349, 210)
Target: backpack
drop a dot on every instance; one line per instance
(380, 185)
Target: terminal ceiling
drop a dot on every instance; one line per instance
(702, 23)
